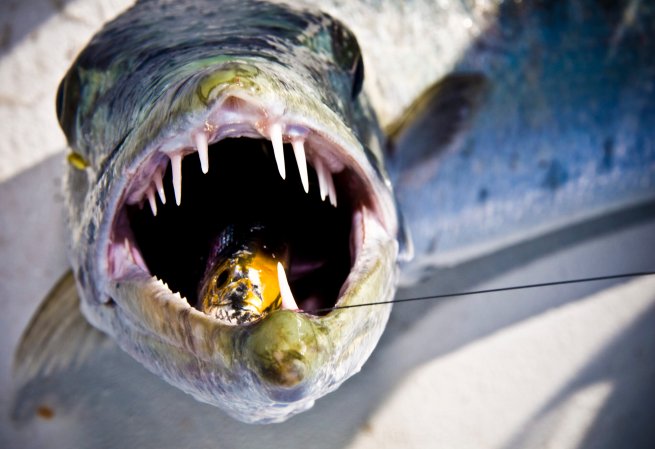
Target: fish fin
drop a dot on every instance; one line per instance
(405, 244)
(433, 121)
(57, 338)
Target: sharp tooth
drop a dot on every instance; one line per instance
(160, 186)
(128, 249)
(322, 178)
(278, 148)
(152, 201)
(299, 151)
(203, 151)
(176, 165)
(288, 302)
(332, 193)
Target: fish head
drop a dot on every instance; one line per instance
(205, 106)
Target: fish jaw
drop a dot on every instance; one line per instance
(267, 371)
(278, 366)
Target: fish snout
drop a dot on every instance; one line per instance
(284, 350)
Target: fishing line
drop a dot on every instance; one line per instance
(491, 290)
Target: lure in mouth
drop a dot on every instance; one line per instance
(239, 166)
(246, 275)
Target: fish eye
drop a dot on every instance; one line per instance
(348, 56)
(68, 96)
(60, 101)
(358, 77)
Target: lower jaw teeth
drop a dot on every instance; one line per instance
(288, 301)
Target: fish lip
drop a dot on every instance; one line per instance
(123, 260)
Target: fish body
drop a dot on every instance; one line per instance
(260, 112)
(552, 128)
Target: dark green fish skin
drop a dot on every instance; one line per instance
(146, 79)
(143, 62)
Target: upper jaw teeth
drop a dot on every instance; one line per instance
(203, 151)
(277, 134)
(159, 185)
(278, 149)
(325, 183)
(299, 152)
(176, 168)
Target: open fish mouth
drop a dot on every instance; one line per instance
(241, 163)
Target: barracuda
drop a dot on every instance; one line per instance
(185, 118)
(196, 113)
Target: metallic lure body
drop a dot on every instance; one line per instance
(241, 281)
